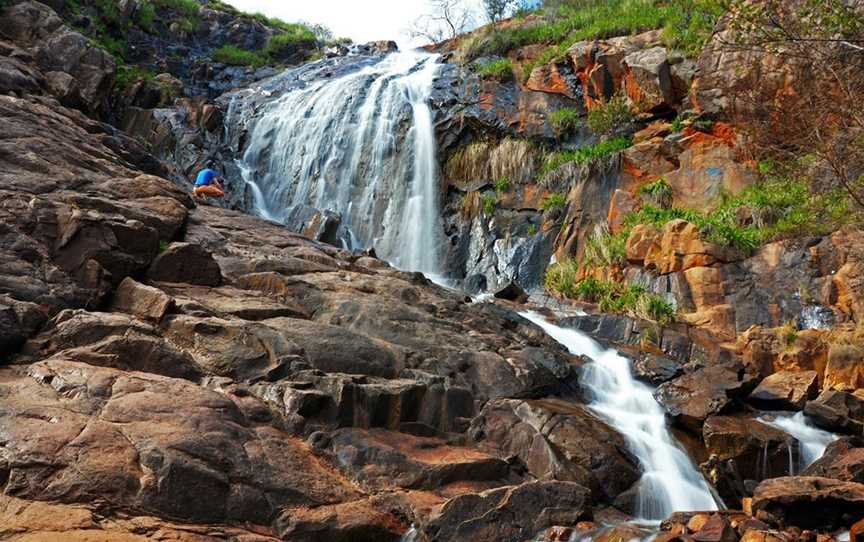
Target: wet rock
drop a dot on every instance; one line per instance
(808, 502)
(187, 263)
(692, 398)
(509, 514)
(655, 369)
(475, 284)
(558, 440)
(842, 460)
(743, 449)
(511, 292)
(786, 390)
(137, 299)
(324, 227)
(838, 411)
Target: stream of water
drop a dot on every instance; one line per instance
(670, 482)
(812, 440)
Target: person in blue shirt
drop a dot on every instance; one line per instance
(209, 183)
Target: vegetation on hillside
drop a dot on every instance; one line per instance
(109, 28)
(686, 24)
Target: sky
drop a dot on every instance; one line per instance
(360, 20)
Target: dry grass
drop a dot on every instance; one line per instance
(514, 159)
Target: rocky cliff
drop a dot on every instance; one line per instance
(174, 370)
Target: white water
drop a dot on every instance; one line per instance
(362, 145)
(812, 441)
(670, 482)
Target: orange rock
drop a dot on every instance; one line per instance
(708, 167)
(681, 247)
(645, 162)
(697, 522)
(548, 78)
(845, 368)
(620, 206)
(856, 533)
(643, 238)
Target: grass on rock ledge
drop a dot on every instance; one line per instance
(611, 297)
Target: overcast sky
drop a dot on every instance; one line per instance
(360, 20)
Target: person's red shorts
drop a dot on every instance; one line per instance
(209, 190)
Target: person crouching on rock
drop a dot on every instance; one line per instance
(209, 183)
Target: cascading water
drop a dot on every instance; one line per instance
(669, 482)
(812, 440)
(362, 145)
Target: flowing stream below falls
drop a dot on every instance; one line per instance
(670, 482)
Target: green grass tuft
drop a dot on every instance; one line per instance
(498, 70)
(610, 115)
(502, 184)
(565, 121)
(554, 200)
(490, 202)
(590, 155)
(235, 56)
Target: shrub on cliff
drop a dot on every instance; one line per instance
(610, 115)
(565, 121)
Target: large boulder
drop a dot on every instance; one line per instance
(845, 368)
(381, 459)
(692, 398)
(140, 300)
(808, 502)
(786, 390)
(186, 263)
(558, 440)
(838, 411)
(648, 81)
(842, 460)
(509, 514)
(743, 450)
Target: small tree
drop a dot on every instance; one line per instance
(498, 9)
(819, 46)
(445, 20)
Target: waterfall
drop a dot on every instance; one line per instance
(812, 440)
(362, 145)
(670, 482)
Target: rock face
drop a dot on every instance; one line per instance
(808, 502)
(692, 398)
(838, 411)
(743, 450)
(558, 441)
(786, 390)
(509, 514)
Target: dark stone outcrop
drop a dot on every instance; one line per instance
(808, 502)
